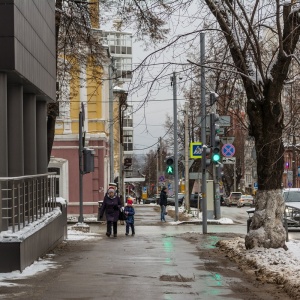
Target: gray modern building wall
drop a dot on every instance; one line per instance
(27, 39)
(27, 83)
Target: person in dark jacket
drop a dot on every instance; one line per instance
(111, 206)
(163, 203)
(129, 212)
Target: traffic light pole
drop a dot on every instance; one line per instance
(81, 122)
(216, 179)
(174, 82)
(203, 133)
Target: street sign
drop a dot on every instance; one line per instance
(227, 139)
(195, 176)
(161, 178)
(196, 150)
(255, 185)
(191, 161)
(298, 171)
(228, 150)
(228, 160)
(224, 121)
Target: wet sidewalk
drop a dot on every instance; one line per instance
(161, 261)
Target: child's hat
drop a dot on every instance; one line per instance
(129, 201)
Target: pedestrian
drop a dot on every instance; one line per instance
(163, 203)
(111, 206)
(129, 212)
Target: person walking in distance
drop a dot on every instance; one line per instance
(163, 203)
(111, 206)
(129, 212)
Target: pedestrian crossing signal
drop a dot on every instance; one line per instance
(170, 170)
(170, 165)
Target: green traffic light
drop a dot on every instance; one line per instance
(216, 157)
(170, 170)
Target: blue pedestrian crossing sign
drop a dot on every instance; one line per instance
(196, 150)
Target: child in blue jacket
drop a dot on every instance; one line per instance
(129, 212)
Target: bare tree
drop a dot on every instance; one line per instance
(262, 39)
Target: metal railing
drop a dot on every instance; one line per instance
(25, 199)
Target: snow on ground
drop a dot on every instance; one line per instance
(195, 216)
(43, 264)
(269, 265)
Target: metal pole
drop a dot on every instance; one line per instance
(111, 120)
(203, 132)
(80, 218)
(186, 155)
(121, 167)
(175, 145)
(157, 171)
(217, 209)
(234, 177)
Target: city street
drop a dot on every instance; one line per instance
(162, 261)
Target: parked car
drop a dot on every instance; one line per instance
(150, 200)
(194, 200)
(233, 198)
(171, 200)
(292, 197)
(245, 200)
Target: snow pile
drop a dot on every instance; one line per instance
(30, 228)
(42, 265)
(269, 265)
(195, 216)
(76, 235)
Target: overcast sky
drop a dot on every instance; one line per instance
(149, 119)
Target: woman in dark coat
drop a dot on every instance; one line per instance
(111, 206)
(163, 203)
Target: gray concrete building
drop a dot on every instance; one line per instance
(27, 83)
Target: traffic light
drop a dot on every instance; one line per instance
(220, 172)
(206, 156)
(214, 138)
(170, 165)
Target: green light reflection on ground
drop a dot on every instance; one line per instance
(168, 244)
(168, 247)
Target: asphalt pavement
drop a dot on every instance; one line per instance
(162, 261)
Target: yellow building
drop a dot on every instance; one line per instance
(83, 92)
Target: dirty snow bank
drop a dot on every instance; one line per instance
(269, 265)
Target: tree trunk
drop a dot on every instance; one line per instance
(267, 122)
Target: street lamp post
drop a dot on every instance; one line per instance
(111, 69)
(122, 94)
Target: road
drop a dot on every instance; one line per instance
(162, 261)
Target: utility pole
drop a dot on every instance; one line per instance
(174, 83)
(80, 154)
(186, 156)
(111, 119)
(157, 169)
(203, 132)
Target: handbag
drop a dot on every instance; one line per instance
(122, 216)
